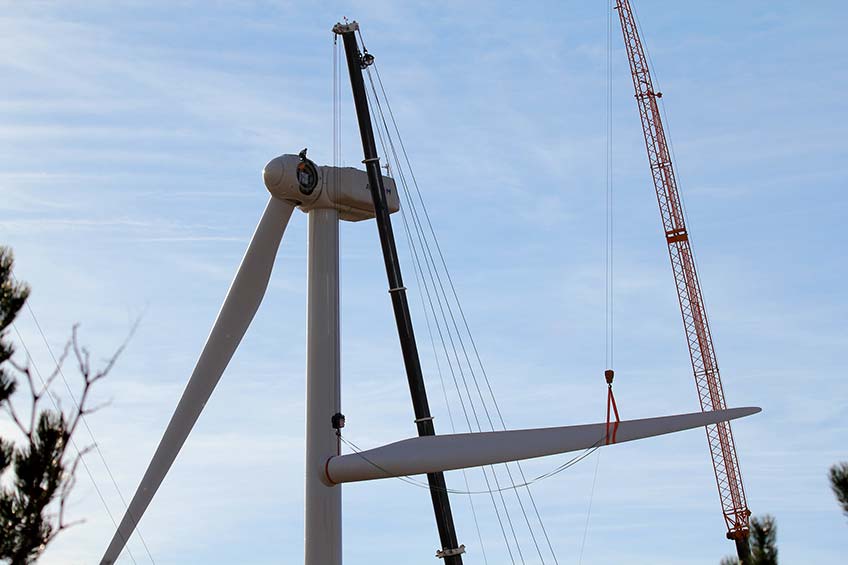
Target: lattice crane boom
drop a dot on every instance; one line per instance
(699, 339)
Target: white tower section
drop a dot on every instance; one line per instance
(326, 194)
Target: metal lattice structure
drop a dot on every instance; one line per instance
(701, 351)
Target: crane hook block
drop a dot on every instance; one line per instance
(366, 59)
(608, 375)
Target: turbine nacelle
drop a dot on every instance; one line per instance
(297, 180)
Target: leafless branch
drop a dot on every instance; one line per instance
(57, 370)
(96, 408)
(69, 461)
(68, 482)
(83, 359)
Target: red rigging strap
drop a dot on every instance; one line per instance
(610, 438)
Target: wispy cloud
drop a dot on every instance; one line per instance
(131, 146)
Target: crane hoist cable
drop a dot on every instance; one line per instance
(455, 321)
(609, 256)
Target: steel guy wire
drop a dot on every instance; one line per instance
(456, 354)
(427, 313)
(441, 256)
(589, 511)
(447, 355)
(458, 303)
(418, 276)
(459, 336)
(418, 279)
(444, 346)
(450, 337)
(666, 125)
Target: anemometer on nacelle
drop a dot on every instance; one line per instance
(296, 179)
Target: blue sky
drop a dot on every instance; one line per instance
(132, 139)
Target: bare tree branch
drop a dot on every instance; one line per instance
(57, 370)
(34, 507)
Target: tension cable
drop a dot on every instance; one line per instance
(415, 482)
(420, 223)
(441, 299)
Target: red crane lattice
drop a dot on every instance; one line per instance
(701, 351)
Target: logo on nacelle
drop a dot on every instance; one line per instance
(307, 174)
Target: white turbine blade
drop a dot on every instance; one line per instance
(240, 305)
(431, 454)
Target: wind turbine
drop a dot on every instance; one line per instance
(328, 195)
